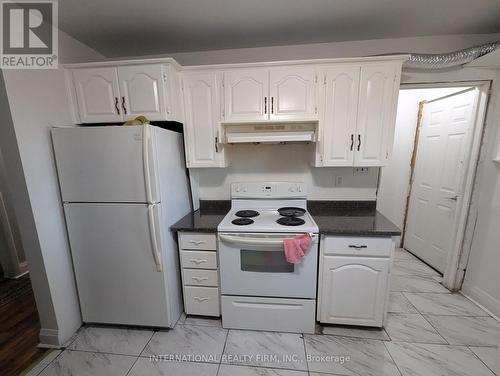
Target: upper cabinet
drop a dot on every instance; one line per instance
(115, 94)
(142, 93)
(293, 93)
(349, 103)
(276, 94)
(97, 95)
(246, 93)
(202, 119)
(358, 113)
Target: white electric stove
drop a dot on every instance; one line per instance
(260, 289)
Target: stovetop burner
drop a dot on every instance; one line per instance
(242, 221)
(246, 213)
(290, 221)
(291, 211)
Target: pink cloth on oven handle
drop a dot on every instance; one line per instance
(296, 248)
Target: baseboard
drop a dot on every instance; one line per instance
(49, 338)
(483, 299)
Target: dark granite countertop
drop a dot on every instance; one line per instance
(358, 218)
(205, 219)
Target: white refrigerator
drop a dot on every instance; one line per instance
(122, 188)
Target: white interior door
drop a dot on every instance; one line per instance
(443, 147)
(115, 268)
(97, 95)
(142, 91)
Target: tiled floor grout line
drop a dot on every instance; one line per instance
(435, 329)
(140, 352)
(305, 352)
(393, 360)
(477, 356)
(223, 349)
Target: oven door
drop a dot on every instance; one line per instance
(255, 265)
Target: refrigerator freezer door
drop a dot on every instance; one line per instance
(104, 164)
(116, 273)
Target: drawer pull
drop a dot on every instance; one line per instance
(200, 299)
(200, 279)
(197, 242)
(357, 246)
(197, 262)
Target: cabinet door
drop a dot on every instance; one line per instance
(375, 114)
(293, 93)
(142, 91)
(97, 95)
(201, 104)
(338, 126)
(246, 94)
(353, 290)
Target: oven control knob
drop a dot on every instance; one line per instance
(237, 189)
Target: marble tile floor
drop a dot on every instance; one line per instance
(428, 331)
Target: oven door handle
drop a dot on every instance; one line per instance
(257, 240)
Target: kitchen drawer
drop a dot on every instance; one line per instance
(195, 240)
(273, 314)
(357, 246)
(199, 259)
(201, 301)
(200, 277)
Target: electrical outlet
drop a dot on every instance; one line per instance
(338, 181)
(360, 171)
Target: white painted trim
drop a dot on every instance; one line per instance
(350, 60)
(483, 300)
(49, 338)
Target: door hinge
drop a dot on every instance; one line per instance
(316, 79)
(315, 109)
(164, 77)
(222, 83)
(324, 80)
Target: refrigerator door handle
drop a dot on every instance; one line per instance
(146, 162)
(154, 238)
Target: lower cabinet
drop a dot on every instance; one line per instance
(353, 289)
(200, 274)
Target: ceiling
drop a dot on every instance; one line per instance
(141, 27)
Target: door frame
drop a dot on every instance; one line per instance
(464, 225)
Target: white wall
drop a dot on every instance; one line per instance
(38, 100)
(433, 44)
(482, 277)
(394, 178)
(285, 163)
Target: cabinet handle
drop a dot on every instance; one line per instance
(197, 262)
(116, 106)
(123, 106)
(265, 105)
(272, 105)
(200, 299)
(216, 144)
(197, 242)
(359, 141)
(357, 246)
(200, 279)
(352, 141)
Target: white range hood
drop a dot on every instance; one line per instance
(269, 132)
